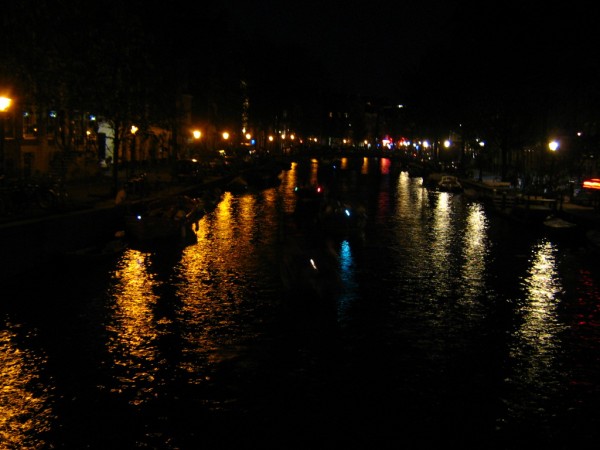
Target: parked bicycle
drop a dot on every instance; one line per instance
(21, 196)
(53, 195)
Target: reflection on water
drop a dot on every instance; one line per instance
(441, 237)
(347, 274)
(536, 345)
(442, 323)
(25, 410)
(543, 290)
(475, 253)
(133, 328)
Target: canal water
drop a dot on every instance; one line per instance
(437, 324)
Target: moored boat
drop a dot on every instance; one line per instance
(342, 218)
(237, 185)
(533, 210)
(560, 227)
(169, 217)
(309, 193)
(449, 183)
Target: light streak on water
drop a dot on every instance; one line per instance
(25, 403)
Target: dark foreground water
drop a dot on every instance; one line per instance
(439, 325)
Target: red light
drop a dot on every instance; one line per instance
(592, 183)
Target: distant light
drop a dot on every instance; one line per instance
(447, 143)
(553, 145)
(347, 212)
(312, 263)
(5, 103)
(592, 183)
(197, 134)
(400, 106)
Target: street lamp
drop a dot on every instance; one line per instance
(195, 152)
(480, 160)
(5, 103)
(133, 130)
(553, 147)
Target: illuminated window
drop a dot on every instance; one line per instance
(30, 125)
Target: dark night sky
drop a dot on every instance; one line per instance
(388, 48)
(367, 46)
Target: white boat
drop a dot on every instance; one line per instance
(559, 226)
(449, 183)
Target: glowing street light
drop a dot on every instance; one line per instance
(5, 103)
(133, 130)
(197, 134)
(553, 145)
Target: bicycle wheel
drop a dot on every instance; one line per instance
(45, 199)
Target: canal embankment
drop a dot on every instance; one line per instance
(587, 217)
(30, 242)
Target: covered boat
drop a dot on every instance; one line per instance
(169, 217)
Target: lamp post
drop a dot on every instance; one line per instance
(133, 130)
(196, 136)
(480, 160)
(5, 103)
(225, 135)
(553, 147)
